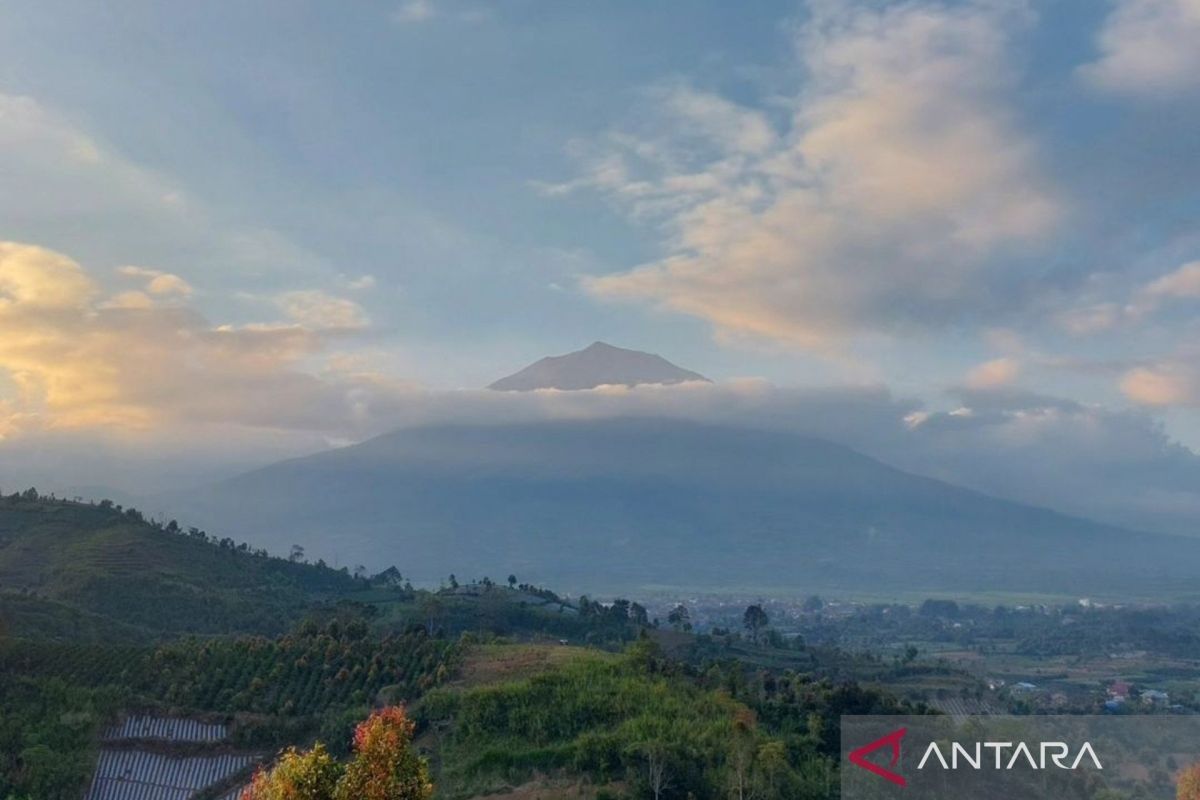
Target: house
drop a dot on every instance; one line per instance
(1120, 689)
(1024, 687)
(1153, 697)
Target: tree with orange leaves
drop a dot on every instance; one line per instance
(384, 767)
(1188, 787)
(312, 775)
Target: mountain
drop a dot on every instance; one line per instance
(597, 364)
(628, 503)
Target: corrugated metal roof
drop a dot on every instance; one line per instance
(139, 775)
(167, 729)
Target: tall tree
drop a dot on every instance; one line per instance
(385, 764)
(679, 618)
(754, 620)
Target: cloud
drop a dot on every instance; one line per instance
(148, 394)
(68, 189)
(883, 204)
(1141, 303)
(318, 310)
(1163, 383)
(1148, 47)
(77, 359)
(1112, 465)
(158, 282)
(995, 373)
(361, 282)
(414, 11)
(1182, 284)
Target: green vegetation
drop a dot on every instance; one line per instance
(49, 729)
(643, 722)
(144, 579)
(513, 688)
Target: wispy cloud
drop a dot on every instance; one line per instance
(995, 373)
(1148, 47)
(322, 311)
(880, 204)
(414, 11)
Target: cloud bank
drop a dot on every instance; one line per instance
(76, 358)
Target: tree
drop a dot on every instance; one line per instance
(297, 776)
(656, 769)
(512, 581)
(773, 767)
(637, 613)
(431, 609)
(296, 554)
(754, 620)
(385, 765)
(813, 604)
(741, 753)
(679, 618)
(1188, 787)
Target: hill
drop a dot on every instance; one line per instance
(80, 571)
(599, 364)
(624, 503)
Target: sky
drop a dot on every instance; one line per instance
(233, 232)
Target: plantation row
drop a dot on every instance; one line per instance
(294, 675)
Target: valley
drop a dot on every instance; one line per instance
(516, 690)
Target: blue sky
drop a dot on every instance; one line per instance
(344, 203)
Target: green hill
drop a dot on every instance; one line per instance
(82, 570)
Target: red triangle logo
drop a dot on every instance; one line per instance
(858, 757)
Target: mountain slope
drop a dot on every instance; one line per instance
(633, 502)
(598, 364)
(77, 568)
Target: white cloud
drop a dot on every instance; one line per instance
(879, 207)
(1148, 47)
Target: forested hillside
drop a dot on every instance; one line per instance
(75, 570)
(512, 685)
